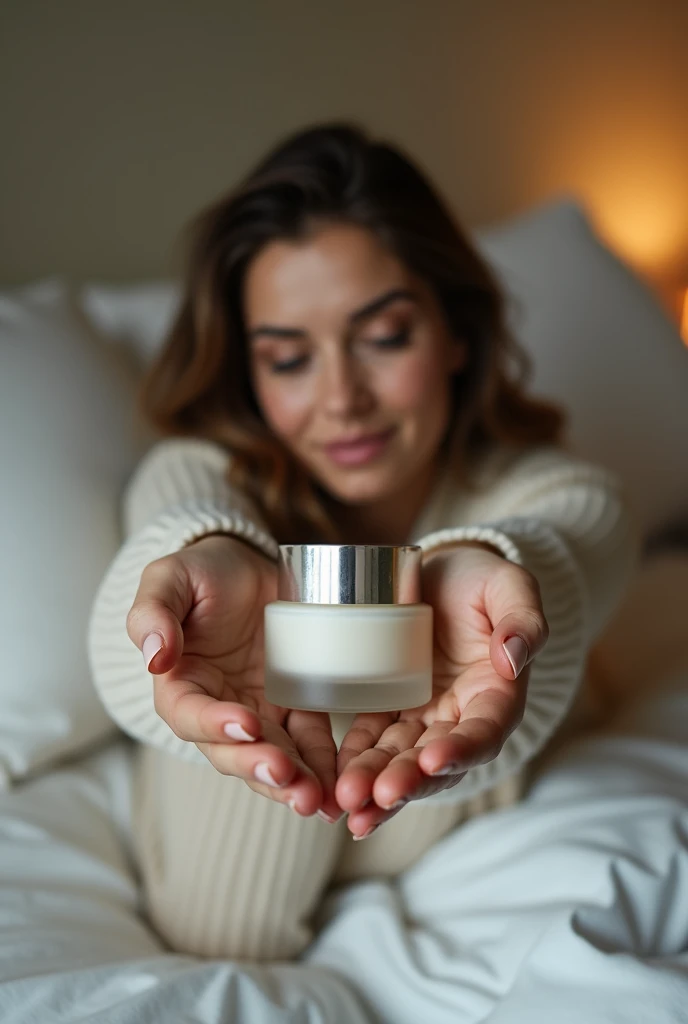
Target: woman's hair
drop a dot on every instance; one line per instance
(201, 385)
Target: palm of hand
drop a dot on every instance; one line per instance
(394, 757)
(222, 655)
(224, 649)
(461, 651)
(221, 669)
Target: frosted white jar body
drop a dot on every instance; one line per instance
(348, 657)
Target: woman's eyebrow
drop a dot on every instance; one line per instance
(380, 302)
(269, 331)
(370, 309)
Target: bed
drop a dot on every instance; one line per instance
(571, 906)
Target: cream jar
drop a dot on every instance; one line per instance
(348, 631)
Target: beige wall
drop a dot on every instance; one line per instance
(118, 118)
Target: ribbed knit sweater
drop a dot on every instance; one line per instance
(229, 873)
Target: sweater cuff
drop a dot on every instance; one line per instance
(183, 524)
(556, 672)
(464, 534)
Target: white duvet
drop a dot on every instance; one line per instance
(571, 907)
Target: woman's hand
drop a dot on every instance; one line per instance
(198, 620)
(489, 624)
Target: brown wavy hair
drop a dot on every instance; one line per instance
(200, 385)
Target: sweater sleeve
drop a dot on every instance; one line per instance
(567, 523)
(178, 494)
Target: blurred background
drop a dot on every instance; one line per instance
(120, 118)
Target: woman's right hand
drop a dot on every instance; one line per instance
(198, 620)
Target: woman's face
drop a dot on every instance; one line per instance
(351, 361)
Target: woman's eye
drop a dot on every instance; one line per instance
(290, 365)
(398, 340)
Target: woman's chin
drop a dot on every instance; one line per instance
(362, 489)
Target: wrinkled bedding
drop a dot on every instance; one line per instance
(570, 907)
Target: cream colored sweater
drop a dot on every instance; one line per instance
(564, 520)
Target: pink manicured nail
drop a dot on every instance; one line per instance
(291, 804)
(366, 834)
(237, 732)
(448, 769)
(395, 805)
(262, 773)
(517, 653)
(325, 817)
(151, 645)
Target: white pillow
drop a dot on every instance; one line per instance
(601, 345)
(137, 316)
(604, 348)
(66, 445)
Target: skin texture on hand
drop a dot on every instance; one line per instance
(203, 608)
(481, 603)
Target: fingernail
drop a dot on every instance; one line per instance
(262, 773)
(325, 817)
(448, 769)
(366, 834)
(517, 653)
(395, 805)
(237, 732)
(151, 645)
(292, 805)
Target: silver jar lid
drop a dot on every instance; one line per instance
(348, 574)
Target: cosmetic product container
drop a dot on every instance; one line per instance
(348, 631)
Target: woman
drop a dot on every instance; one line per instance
(339, 370)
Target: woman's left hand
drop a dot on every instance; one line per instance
(488, 625)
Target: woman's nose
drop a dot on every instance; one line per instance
(344, 389)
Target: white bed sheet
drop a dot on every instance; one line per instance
(570, 907)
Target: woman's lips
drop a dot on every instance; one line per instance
(363, 449)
